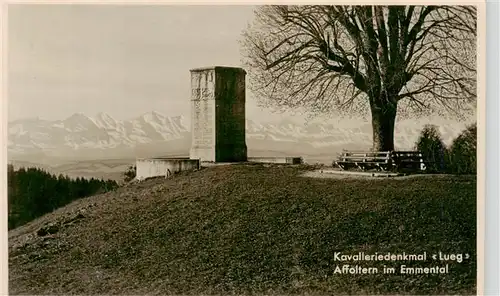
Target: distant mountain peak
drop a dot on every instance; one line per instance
(152, 116)
(78, 115)
(103, 134)
(103, 115)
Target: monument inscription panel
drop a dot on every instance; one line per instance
(203, 117)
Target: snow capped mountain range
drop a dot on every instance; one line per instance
(81, 136)
(100, 132)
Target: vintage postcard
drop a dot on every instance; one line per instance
(217, 149)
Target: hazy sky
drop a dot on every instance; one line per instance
(122, 60)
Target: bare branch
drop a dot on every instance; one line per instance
(331, 57)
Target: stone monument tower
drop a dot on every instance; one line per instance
(218, 114)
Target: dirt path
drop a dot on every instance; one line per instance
(320, 174)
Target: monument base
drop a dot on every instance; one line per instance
(226, 153)
(280, 160)
(202, 153)
(231, 153)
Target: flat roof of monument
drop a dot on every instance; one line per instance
(217, 68)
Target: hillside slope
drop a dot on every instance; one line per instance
(249, 229)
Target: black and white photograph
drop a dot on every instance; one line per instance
(239, 149)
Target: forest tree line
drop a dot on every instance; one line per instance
(33, 192)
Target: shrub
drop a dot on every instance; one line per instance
(462, 153)
(433, 149)
(130, 173)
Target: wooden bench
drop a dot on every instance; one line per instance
(381, 161)
(364, 160)
(408, 160)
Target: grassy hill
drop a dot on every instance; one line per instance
(249, 229)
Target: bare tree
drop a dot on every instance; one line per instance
(388, 60)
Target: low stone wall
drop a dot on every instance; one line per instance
(284, 160)
(155, 167)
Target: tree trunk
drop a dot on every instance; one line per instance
(383, 120)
